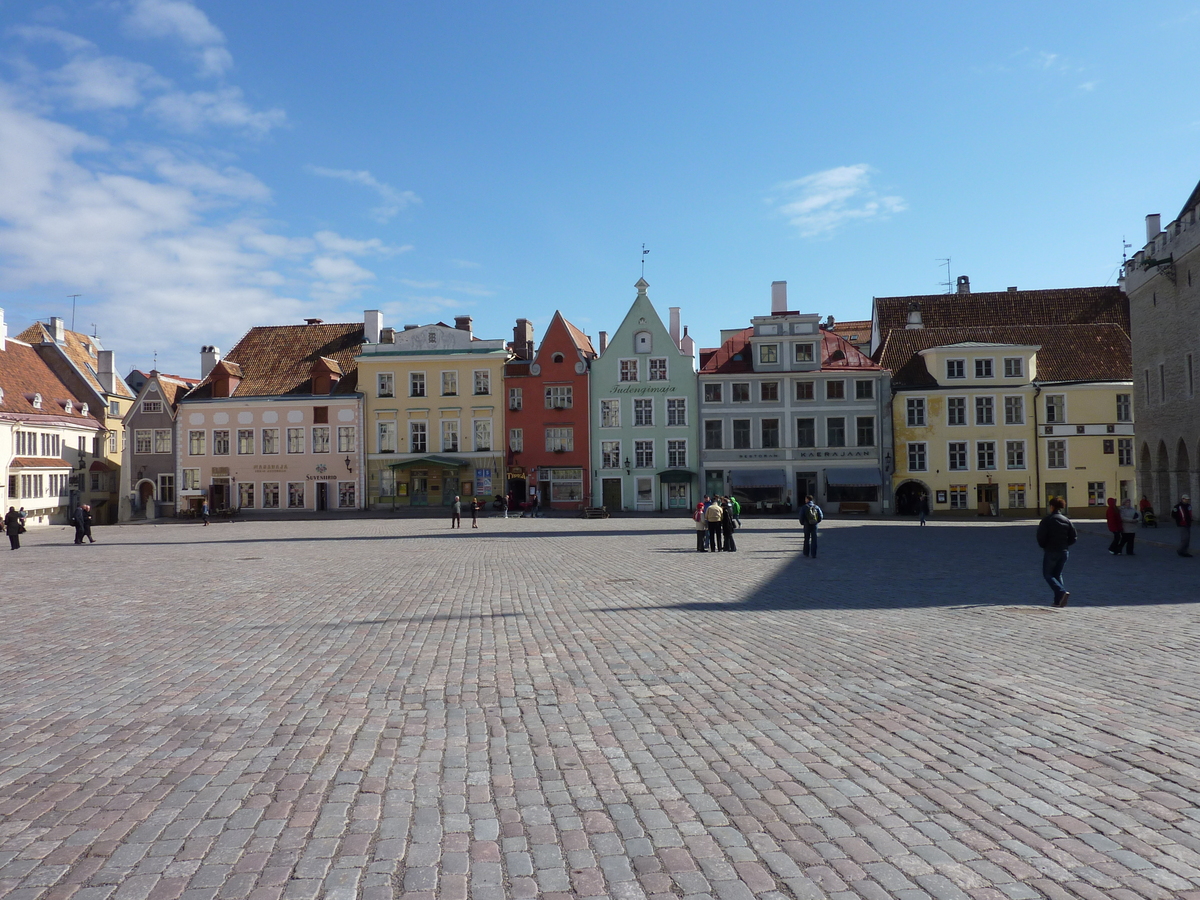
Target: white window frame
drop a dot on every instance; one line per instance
(450, 436)
(657, 369)
(610, 413)
(677, 412)
(347, 438)
(162, 439)
(1060, 415)
(1018, 406)
(627, 368)
(450, 382)
(1014, 455)
(321, 439)
(242, 433)
(985, 362)
(515, 399)
(516, 440)
(270, 446)
(956, 369)
(762, 354)
(643, 454)
(958, 452)
(416, 385)
(914, 412)
(295, 440)
(677, 453)
(918, 451)
(385, 436)
(804, 352)
(643, 412)
(1014, 367)
(610, 454)
(481, 378)
(559, 396)
(950, 423)
(270, 489)
(985, 402)
(385, 384)
(196, 439)
(560, 438)
(418, 436)
(482, 439)
(1059, 447)
(143, 441)
(988, 448)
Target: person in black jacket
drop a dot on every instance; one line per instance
(12, 524)
(1054, 535)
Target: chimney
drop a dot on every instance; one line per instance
(105, 371)
(209, 357)
(372, 325)
(687, 345)
(603, 340)
(3, 331)
(463, 323)
(778, 297)
(56, 330)
(411, 327)
(523, 339)
(387, 335)
(1012, 288)
(675, 325)
(964, 284)
(1153, 227)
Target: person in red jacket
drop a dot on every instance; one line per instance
(1113, 516)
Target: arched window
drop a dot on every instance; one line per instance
(557, 357)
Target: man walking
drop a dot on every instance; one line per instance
(12, 524)
(810, 517)
(1182, 514)
(80, 520)
(1054, 535)
(456, 513)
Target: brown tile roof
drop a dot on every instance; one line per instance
(23, 373)
(1066, 306)
(173, 388)
(39, 462)
(855, 326)
(278, 359)
(732, 357)
(78, 348)
(582, 341)
(1069, 352)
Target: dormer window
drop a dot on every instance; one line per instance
(37, 401)
(68, 407)
(641, 342)
(1, 395)
(83, 409)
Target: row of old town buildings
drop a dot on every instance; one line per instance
(971, 403)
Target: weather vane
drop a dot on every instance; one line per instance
(644, 252)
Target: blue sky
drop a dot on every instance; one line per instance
(192, 169)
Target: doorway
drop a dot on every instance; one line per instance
(908, 498)
(806, 485)
(1054, 489)
(145, 496)
(645, 494)
(322, 496)
(611, 492)
(420, 488)
(219, 491)
(987, 496)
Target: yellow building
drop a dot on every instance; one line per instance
(996, 420)
(433, 415)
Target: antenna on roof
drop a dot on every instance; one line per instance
(156, 360)
(73, 297)
(95, 330)
(949, 282)
(644, 252)
(1125, 245)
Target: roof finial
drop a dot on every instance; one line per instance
(644, 252)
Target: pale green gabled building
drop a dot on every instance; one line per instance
(645, 452)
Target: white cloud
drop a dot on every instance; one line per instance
(824, 201)
(393, 200)
(338, 278)
(71, 43)
(338, 244)
(182, 21)
(224, 107)
(464, 264)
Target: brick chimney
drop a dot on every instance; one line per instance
(463, 323)
(964, 284)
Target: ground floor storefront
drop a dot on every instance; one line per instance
(650, 492)
(433, 480)
(780, 486)
(1011, 496)
(269, 487)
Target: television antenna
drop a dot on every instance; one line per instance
(644, 252)
(949, 282)
(73, 297)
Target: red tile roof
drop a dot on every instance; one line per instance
(732, 357)
(23, 374)
(39, 462)
(80, 349)
(581, 340)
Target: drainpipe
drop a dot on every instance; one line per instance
(1037, 459)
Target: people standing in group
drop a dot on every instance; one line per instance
(728, 525)
(810, 516)
(456, 513)
(1129, 524)
(474, 512)
(1181, 512)
(12, 525)
(701, 527)
(1112, 516)
(923, 506)
(204, 511)
(712, 515)
(1055, 535)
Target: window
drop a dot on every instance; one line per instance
(166, 488)
(196, 443)
(270, 495)
(610, 413)
(1014, 367)
(270, 440)
(245, 495)
(956, 368)
(741, 434)
(143, 441)
(864, 390)
(1056, 454)
(1016, 496)
(806, 432)
(385, 385)
(643, 411)
(295, 440)
(418, 436)
(740, 392)
(1109, 446)
(677, 411)
(295, 495)
(416, 384)
(677, 454)
(835, 390)
(642, 342)
(985, 454)
(770, 433)
(1056, 409)
(643, 452)
(450, 436)
(1096, 493)
(559, 397)
(956, 410)
(346, 495)
(386, 434)
(114, 406)
(514, 398)
(450, 384)
(516, 440)
(1124, 408)
(320, 439)
(1124, 451)
(152, 407)
(916, 412)
(629, 370)
(658, 370)
(1014, 454)
(1014, 410)
(985, 413)
(610, 454)
(712, 434)
(560, 439)
(482, 429)
(983, 368)
(712, 392)
(768, 354)
(835, 432)
(245, 439)
(958, 456)
(483, 382)
(162, 440)
(191, 479)
(112, 442)
(220, 442)
(768, 391)
(804, 390)
(958, 496)
(916, 457)
(347, 439)
(804, 352)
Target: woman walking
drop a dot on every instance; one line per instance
(1129, 524)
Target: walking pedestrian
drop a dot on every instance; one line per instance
(1055, 535)
(204, 511)
(79, 517)
(1129, 524)
(505, 503)
(923, 506)
(1181, 512)
(87, 523)
(737, 508)
(712, 515)
(474, 512)
(810, 517)
(22, 515)
(1112, 515)
(12, 525)
(701, 527)
(728, 525)
(456, 513)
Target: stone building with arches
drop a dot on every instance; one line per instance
(1162, 281)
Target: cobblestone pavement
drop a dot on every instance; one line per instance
(563, 708)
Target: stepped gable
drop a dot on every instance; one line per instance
(23, 374)
(277, 359)
(78, 348)
(1068, 352)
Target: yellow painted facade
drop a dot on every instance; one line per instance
(989, 439)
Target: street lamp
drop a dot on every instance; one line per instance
(348, 469)
(628, 468)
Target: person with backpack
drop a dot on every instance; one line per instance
(1055, 535)
(810, 517)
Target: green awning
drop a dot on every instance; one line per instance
(676, 476)
(432, 462)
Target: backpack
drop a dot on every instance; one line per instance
(808, 515)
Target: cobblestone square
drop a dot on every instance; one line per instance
(563, 708)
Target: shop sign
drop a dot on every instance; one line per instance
(271, 467)
(483, 481)
(643, 389)
(321, 477)
(829, 454)
(220, 470)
